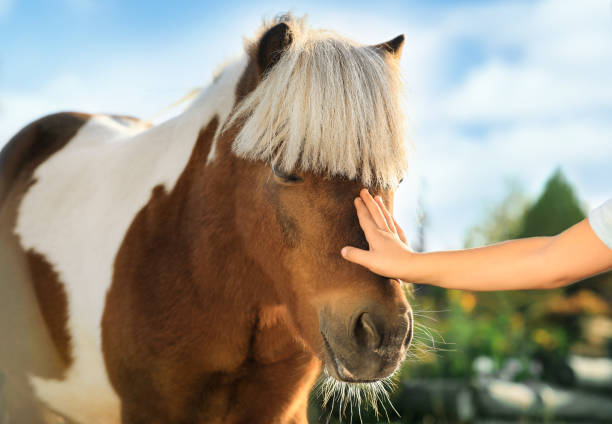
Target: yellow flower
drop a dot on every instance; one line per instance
(468, 302)
(543, 338)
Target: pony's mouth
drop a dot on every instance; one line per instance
(336, 369)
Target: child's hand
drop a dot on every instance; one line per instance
(529, 263)
(389, 250)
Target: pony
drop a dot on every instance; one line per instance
(189, 272)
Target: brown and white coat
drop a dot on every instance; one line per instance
(168, 274)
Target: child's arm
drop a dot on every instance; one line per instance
(532, 263)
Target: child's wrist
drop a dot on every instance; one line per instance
(416, 269)
(409, 261)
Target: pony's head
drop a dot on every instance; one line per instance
(317, 118)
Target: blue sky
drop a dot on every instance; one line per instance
(495, 90)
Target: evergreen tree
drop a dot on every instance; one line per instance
(556, 209)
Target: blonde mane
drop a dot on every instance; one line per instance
(330, 106)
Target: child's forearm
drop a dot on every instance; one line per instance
(532, 263)
(516, 264)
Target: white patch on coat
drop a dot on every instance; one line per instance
(77, 214)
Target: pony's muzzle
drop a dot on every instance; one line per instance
(370, 347)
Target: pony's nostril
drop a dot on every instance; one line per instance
(365, 332)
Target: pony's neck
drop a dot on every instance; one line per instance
(261, 344)
(217, 99)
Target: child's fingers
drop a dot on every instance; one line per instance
(365, 218)
(386, 213)
(400, 232)
(374, 209)
(358, 256)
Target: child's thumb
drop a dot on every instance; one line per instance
(356, 255)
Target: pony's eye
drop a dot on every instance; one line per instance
(286, 178)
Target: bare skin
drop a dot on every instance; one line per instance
(531, 263)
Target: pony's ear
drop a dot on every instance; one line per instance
(272, 45)
(393, 47)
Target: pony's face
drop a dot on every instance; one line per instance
(294, 225)
(314, 101)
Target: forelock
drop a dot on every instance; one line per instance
(329, 105)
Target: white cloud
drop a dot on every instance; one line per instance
(459, 167)
(548, 108)
(509, 92)
(565, 57)
(464, 176)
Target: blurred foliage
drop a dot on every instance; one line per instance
(519, 327)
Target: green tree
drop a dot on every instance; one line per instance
(556, 209)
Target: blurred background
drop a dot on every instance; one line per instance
(509, 107)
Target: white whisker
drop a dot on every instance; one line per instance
(347, 396)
